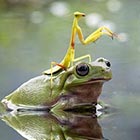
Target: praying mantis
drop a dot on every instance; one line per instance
(69, 58)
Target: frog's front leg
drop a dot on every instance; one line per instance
(95, 35)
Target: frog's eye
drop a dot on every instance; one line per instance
(82, 69)
(108, 63)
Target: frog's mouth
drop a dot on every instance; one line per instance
(98, 80)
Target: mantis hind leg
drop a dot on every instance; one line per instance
(81, 58)
(58, 66)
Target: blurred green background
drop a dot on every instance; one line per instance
(35, 32)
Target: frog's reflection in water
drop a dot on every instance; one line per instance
(47, 126)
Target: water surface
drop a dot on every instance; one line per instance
(32, 33)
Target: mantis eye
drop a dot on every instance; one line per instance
(82, 69)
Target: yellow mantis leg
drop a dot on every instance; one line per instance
(81, 58)
(95, 35)
(51, 70)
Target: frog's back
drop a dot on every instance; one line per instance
(32, 93)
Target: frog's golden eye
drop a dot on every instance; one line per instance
(82, 69)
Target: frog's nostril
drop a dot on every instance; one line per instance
(108, 63)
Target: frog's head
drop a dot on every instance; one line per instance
(86, 79)
(85, 73)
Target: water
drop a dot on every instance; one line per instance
(32, 34)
